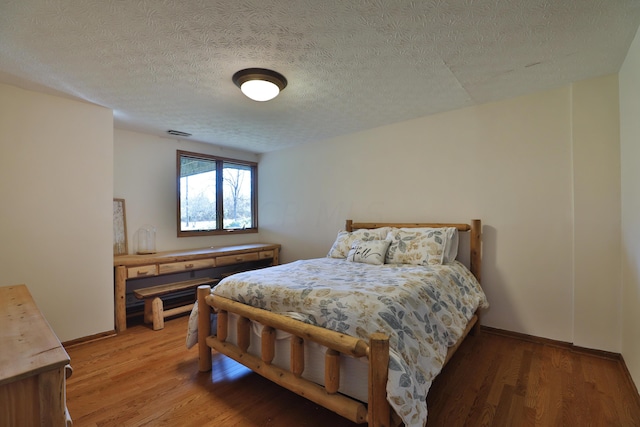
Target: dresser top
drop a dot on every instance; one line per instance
(29, 345)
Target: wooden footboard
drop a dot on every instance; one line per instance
(376, 413)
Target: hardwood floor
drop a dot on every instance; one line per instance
(498, 380)
(148, 378)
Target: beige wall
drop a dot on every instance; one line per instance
(145, 176)
(630, 171)
(56, 186)
(596, 177)
(510, 163)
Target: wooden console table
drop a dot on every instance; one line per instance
(33, 364)
(169, 262)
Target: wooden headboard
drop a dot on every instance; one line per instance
(475, 243)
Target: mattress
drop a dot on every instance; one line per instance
(353, 371)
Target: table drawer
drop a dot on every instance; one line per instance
(142, 271)
(266, 254)
(235, 259)
(176, 267)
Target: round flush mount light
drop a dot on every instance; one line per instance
(259, 84)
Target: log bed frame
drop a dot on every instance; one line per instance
(377, 411)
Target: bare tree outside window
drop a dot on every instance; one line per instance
(237, 196)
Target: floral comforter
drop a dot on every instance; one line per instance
(423, 310)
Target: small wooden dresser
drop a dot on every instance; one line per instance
(33, 364)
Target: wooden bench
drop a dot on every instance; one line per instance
(154, 311)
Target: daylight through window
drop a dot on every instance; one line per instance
(215, 195)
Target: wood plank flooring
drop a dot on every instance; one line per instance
(148, 378)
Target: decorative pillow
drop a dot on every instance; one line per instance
(343, 242)
(451, 248)
(369, 252)
(417, 246)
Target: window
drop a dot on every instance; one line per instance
(215, 195)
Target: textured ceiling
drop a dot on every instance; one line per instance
(351, 65)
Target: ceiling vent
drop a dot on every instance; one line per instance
(178, 133)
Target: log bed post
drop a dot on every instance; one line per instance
(204, 329)
(297, 356)
(268, 345)
(379, 410)
(221, 328)
(332, 371)
(475, 263)
(243, 333)
(476, 248)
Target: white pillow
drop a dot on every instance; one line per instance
(344, 240)
(369, 252)
(451, 248)
(419, 246)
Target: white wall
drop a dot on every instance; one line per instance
(145, 176)
(509, 163)
(56, 186)
(597, 221)
(630, 171)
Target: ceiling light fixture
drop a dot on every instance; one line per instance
(259, 84)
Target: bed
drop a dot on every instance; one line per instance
(363, 331)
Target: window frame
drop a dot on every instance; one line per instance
(220, 164)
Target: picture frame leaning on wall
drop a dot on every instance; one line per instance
(120, 246)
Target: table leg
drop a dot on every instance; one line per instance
(120, 303)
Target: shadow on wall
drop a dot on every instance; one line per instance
(631, 315)
(501, 312)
